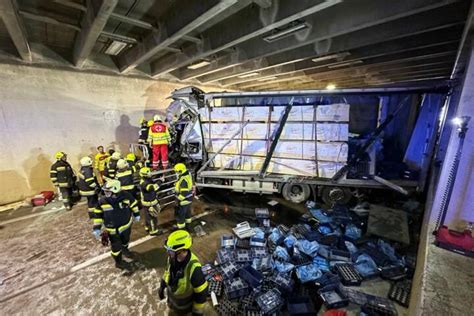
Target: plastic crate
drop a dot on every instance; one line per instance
(215, 286)
(282, 281)
(327, 279)
(258, 242)
(301, 260)
(301, 229)
(333, 297)
(243, 230)
(339, 255)
(258, 253)
(227, 241)
(300, 306)
(262, 213)
(270, 301)
(236, 288)
(264, 265)
(242, 243)
(252, 311)
(378, 256)
(227, 308)
(243, 256)
(229, 270)
(328, 240)
(348, 274)
(374, 308)
(253, 277)
(400, 292)
(225, 255)
(284, 230)
(393, 273)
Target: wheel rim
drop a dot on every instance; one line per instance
(336, 194)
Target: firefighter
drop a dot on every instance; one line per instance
(159, 137)
(183, 279)
(63, 177)
(116, 211)
(125, 176)
(111, 166)
(134, 165)
(151, 207)
(100, 160)
(184, 196)
(143, 137)
(88, 184)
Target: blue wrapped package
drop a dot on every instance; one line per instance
(275, 236)
(290, 241)
(309, 248)
(353, 232)
(389, 251)
(307, 273)
(283, 267)
(321, 263)
(324, 229)
(259, 233)
(320, 215)
(350, 246)
(281, 253)
(366, 266)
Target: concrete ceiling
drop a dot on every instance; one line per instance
(346, 43)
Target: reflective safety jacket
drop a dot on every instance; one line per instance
(100, 160)
(115, 213)
(110, 168)
(143, 134)
(148, 190)
(125, 177)
(158, 134)
(135, 166)
(62, 175)
(184, 189)
(186, 284)
(87, 182)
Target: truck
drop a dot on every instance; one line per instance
(332, 144)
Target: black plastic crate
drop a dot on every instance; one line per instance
(225, 255)
(301, 260)
(270, 302)
(378, 309)
(228, 270)
(242, 243)
(282, 281)
(284, 230)
(339, 255)
(236, 288)
(252, 311)
(301, 229)
(253, 277)
(262, 213)
(400, 292)
(348, 274)
(215, 286)
(327, 278)
(258, 253)
(227, 308)
(333, 297)
(393, 273)
(264, 265)
(300, 306)
(328, 240)
(243, 256)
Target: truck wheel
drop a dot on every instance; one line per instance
(332, 195)
(296, 192)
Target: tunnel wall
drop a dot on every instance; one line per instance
(47, 110)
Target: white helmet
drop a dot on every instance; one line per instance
(86, 161)
(122, 164)
(156, 118)
(116, 156)
(112, 186)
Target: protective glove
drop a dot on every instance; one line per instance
(136, 218)
(153, 211)
(96, 233)
(161, 290)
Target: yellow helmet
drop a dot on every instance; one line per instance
(130, 157)
(177, 240)
(145, 172)
(59, 155)
(180, 168)
(150, 123)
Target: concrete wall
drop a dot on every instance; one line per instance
(45, 110)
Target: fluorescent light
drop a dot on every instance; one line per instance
(461, 121)
(248, 75)
(349, 63)
(115, 48)
(279, 34)
(333, 56)
(331, 86)
(268, 78)
(199, 64)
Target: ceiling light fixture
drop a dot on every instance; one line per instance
(268, 78)
(248, 75)
(115, 48)
(331, 86)
(199, 65)
(292, 28)
(349, 63)
(328, 57)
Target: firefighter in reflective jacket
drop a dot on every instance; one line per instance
(159, 137)
(88, 184)
(116, 211)
(111, 166)
(183, 279)
(125, 176)
(184, 196)
(150, 205)
(63, 177)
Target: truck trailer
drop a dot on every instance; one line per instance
(331, 144)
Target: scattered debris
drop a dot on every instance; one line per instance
(35, 255)
(8, 277)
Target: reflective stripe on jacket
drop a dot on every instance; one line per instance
(158, 134)
(184, 189)
(148, 190)
(125, 177)
(87, 182)
(115, 213)
(62, 175)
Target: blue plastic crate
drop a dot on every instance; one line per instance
(264, 265)
(227, 241)
(282, 281)
(243, 256)
(300, 306)
(258, 242)
(229, 270)
(270, 302)
(253, 277)
(225, 255)
(258, 253)
(236, 288)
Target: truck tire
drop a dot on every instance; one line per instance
(296, 192)
(331, 195)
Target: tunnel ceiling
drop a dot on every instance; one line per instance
(246, 45)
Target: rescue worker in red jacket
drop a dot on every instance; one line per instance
(159, 138)
(183, 279)
(88, 184)
(116, 211)
(63, 177)
(149, 200)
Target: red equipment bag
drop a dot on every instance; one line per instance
(43, 198)
(460, 242)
